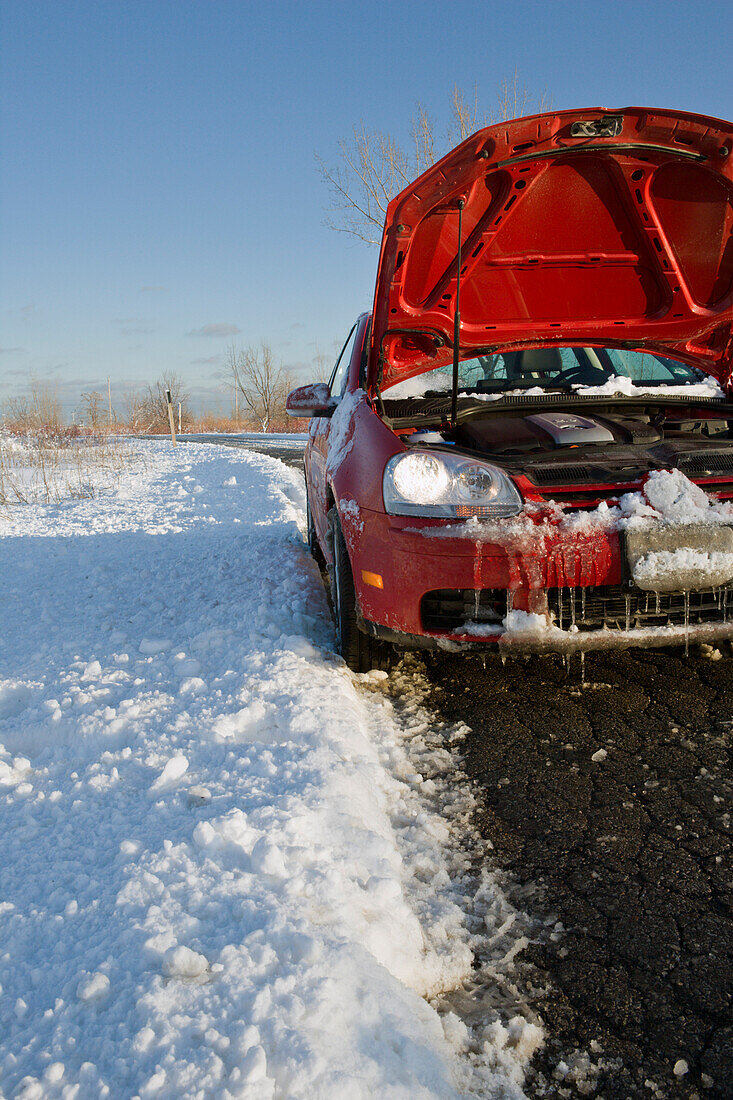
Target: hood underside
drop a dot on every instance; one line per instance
(577, 227)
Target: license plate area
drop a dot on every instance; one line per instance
(687, 558)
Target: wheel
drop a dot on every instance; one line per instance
(360, 651)
(311, 536)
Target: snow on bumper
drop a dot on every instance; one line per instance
(551, 639)
(540, 566)
(525, 559)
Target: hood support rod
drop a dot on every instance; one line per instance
(457, 321)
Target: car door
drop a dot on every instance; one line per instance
(319, 429)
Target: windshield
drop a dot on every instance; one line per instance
(553, 369)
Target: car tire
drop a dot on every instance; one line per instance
(360, 651)
(311, 536)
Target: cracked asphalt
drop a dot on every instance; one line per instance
(613, 800)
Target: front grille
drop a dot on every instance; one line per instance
(620, 608)
(611, 606)
(704, 463)
(448, 609)
(560, 475)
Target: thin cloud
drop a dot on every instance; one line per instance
(10, 351)
(216, 330)
(152, 289)
(212, 360)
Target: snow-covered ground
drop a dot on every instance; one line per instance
(229, 868)
(38, 466)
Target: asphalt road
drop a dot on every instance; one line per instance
(611, 803)
(291, 452)
(631, 852)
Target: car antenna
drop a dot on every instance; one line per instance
(457, 321)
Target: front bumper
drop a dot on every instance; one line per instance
(414, 562)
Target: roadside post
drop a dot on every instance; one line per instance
(169, 399)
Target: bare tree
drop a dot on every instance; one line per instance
(323, 364)
(92, 408)
(154, 403)
(133, 409)
(261, 383)
(372, 167)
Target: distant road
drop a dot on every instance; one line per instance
(288, 448)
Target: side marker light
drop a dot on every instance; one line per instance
(373, 579)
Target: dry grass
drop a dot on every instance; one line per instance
(49, 465)
(210, 422)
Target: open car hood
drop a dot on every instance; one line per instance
(578, 227)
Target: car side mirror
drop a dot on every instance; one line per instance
(312, 400)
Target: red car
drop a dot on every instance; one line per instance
(511, 447)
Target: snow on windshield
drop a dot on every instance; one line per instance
(587, 371)
(227, 869)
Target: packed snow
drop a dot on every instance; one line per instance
(230, 868)
(684, 568)
(341, 432)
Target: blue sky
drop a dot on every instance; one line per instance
(159, 194)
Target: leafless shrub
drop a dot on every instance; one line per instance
(151, 411)
(37, 411)
(133, 411)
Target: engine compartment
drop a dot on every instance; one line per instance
(564, 447)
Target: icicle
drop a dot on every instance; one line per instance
(503, 659)
(582, 601)
(566, 662)
(687, 623)
(477, 579)
(582, 667)
(725, 604)
(627, 598)
(657, 595)
(559, 607)
(509, 600)
(572, 608)
(483, 660)
(646, 605)
(720, 599)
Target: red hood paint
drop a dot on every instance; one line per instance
(624, 238)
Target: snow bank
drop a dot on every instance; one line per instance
(225, 873)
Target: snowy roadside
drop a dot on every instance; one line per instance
(224, 872)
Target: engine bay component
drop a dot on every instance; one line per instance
(566, 428)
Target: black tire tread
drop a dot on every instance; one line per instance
(360, 651)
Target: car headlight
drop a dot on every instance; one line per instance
(432, 483)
